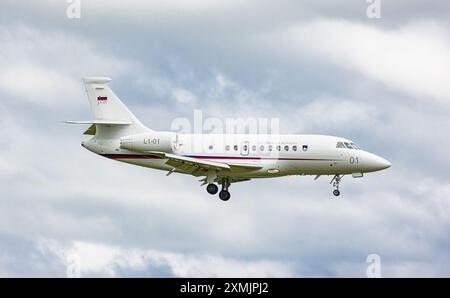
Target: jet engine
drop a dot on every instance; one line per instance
(151, 141)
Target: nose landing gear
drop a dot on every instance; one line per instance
(335, 181)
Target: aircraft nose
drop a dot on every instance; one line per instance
(378, 163)
(383, 163)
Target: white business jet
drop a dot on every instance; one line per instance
(219, 159)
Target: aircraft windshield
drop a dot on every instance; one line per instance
(344, 145)
(340, 145)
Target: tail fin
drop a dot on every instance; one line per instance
(109, 112)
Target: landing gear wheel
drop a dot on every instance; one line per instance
(212, 189)
(335, 181)
(224, 195)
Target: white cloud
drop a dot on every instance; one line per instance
(147, 8)
(107, 260)
(436, 267)
(184, 96)
(327, 112)
(413, 59)
(46, 68)
(123, 219)
(39, 85)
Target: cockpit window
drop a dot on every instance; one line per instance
(340, 145)
(348, 145)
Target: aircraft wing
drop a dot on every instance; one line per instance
(243, 167)
(199, 167)
(190, 165)
(98, 121)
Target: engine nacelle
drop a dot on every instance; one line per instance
(151, 141)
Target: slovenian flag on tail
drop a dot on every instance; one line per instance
(102, 98)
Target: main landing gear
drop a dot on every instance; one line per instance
(336, 179)
(224, 194)
(212, 189)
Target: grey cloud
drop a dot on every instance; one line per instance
(53, 189)
(21, 256)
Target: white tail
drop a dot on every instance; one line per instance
(105, 105)
(112, 119)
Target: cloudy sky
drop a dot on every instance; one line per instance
(319, 66)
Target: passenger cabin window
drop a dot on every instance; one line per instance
(254, 147)
(261, 148)
(294, 148)
(210, 147)
(236, 148)
(227, 147)
(278, 148)
(269, 148)
(286, 148)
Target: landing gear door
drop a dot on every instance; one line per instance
(245, 148)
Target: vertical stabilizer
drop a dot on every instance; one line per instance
(108, 108)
